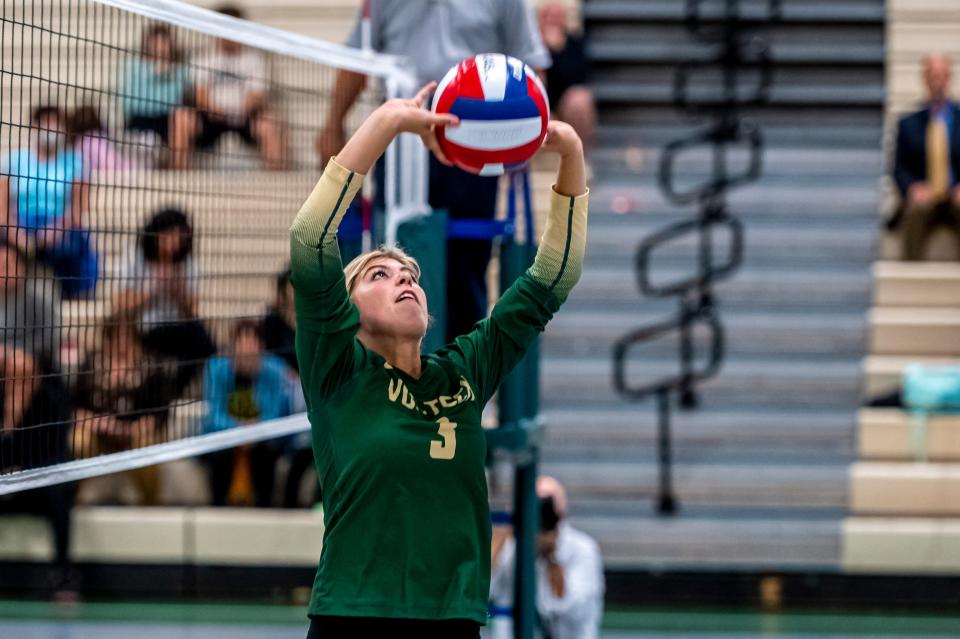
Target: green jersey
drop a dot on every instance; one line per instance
(401, 459)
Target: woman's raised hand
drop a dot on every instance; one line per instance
(564, 141)
(561, 139)
(391, 118)
(409, 116)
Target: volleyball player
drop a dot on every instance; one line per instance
(397, 439)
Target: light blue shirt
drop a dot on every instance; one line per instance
(148, 93)
(41, 190)
(271, 391)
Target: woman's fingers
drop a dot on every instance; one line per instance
(442, 119)
(423, 93)
(430, 141)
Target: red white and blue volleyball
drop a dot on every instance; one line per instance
(503, 113)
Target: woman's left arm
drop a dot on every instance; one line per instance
(559, 259)
(498, 343)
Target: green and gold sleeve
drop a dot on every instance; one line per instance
(559, 260)
(327, 322)
(498, 343)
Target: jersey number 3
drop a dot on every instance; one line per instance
(448, 447)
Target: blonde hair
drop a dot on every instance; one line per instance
(358, 264)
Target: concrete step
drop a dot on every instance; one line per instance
(782, 95)
(640, 43)
(158, 535)
(718, 484)
(915, 332)
(816, 12)
(810, 127)
(778, 162)
(583, 332)
(614, 289)
(765, 244)
(796, 201)
(882, 373)
(626, 426)
(780, 382)
(905, 489)
(686, 542)
(889, 434)
(916, 284)
(901, 545)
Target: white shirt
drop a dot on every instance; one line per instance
(578, 613)
(230, 79)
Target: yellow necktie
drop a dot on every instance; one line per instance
(938, 158)
(241, 484)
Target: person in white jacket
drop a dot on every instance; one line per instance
(569, 570)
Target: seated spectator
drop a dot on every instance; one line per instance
(569, 570)
(43, 202)
(247, 386)
(927, 164)
(279, 336)
(123, 399)
(280, 324)
(160, 292)
(155, 87)
(36, 422)
(571, 100)
(91, 138)
(231, 95)
(29, 307)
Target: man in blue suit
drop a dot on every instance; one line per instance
(927, 164)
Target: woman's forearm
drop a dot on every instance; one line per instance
(559, 259)
(369, 142)
(572, 174)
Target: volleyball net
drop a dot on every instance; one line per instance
(152, 157)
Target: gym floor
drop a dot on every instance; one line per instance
(147, 620)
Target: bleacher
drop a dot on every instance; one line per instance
(761, 467)
(905, 485)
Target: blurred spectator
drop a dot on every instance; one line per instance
(279, 336)
(571, 100)
(436, 36)
(245, 387)
(927, 165)
(36, 423)
(123, 399)
(91, 138)
(30, 307)
(569, 570)
(44, 198)
(161, 292)
(231, 95)
(280, 324)
(155, 87)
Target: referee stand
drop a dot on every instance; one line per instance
(518, 433)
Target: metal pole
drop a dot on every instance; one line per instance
(526, 522)
(666, 504)
(688, 391)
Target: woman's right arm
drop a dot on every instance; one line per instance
(327, 322)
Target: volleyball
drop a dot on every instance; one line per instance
(503, 113)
